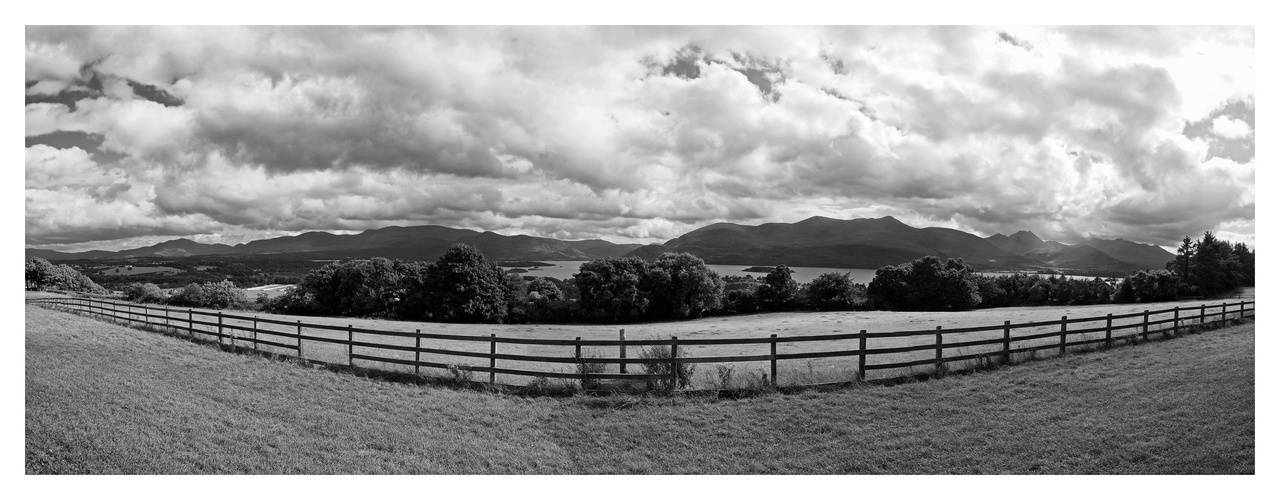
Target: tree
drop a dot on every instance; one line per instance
(1181, 263)
(834, 292)
(463, 286)
(1213, 266)
(42, 275)
(362, 287)
(682, 286)
(927, 284)
(779, 291)
(1245, 258)
(610, 288)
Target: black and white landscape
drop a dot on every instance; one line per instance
(640, 250)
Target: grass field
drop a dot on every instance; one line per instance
(791, 372)
(105, 399)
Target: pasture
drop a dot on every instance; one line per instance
(106, 399)
(135, 270)
(792, 326)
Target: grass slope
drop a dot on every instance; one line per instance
(104, 399)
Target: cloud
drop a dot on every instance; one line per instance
(635, 133)
(1230, 128)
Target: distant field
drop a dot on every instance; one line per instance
(791, 372)
(271, 291)
(105, 399)
(126, 271)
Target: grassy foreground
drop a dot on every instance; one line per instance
(104, 399)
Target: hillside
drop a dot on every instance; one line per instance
(873, 243)
(825, 242)
(813, 242)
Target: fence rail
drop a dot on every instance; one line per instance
(236, 329)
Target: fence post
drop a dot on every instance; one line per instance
(493, 361)
(1146, 315)
(1062, 345)
(191, 324)
(1202, 314)
(1006, 342)
(773, 360)
(862, 356)
(675, 368)
(1108, 342)
(417, 352)
(219, 326)
(1224, 313)
(299, 339)
(1175, 322)
(937, 364)
(146, 316)
(351, 363)
(582, 369)
(1242, 310)
(255, 333)
(622, 350)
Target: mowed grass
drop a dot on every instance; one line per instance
(105, 399)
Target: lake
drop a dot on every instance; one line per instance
(564, 269)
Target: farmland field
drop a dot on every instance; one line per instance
(105, 399)
(791, 328)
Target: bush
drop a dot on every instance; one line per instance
(648, 361)
(216, 295)
(586, 368)
(147, 293)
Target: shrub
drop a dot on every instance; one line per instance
(147, 293)
(649, 357)
(586, 368)
(217, 295)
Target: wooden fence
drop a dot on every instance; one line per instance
(995, 342)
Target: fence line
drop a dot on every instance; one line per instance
(215, 324)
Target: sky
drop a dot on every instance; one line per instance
(137, 135)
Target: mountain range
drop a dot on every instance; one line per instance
(813, 242)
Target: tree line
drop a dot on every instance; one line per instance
(463, 286)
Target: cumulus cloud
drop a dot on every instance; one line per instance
(635, 134)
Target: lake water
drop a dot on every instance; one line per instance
(564, 269)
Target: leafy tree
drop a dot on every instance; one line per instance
(610, 288)
(682, 286)
(354, 288)
(463, 286)
(779, 292)
(926, 284)
(834, 292)
(42, 275)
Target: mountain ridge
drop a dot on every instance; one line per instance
(813, 242)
